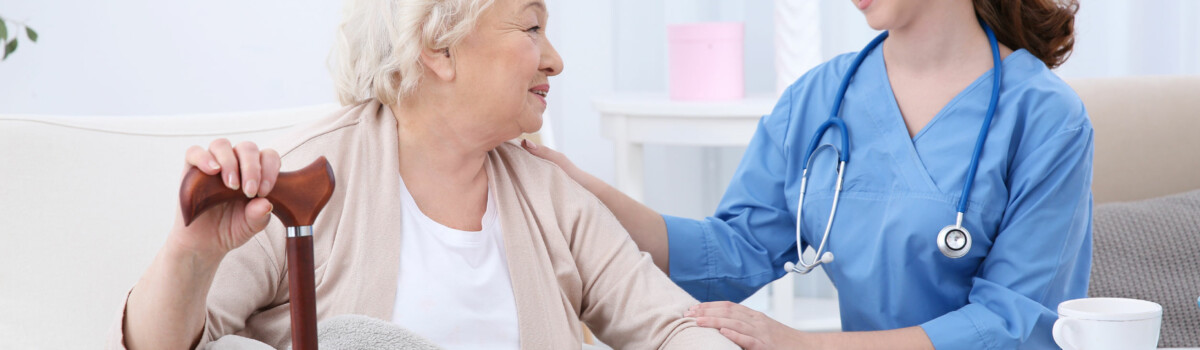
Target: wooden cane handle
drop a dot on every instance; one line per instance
(297, 196)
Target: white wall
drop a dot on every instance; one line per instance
(165, 57)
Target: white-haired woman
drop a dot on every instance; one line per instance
(437, 224)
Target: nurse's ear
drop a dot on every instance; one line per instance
(440, 62)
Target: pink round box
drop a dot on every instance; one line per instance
(705, 61)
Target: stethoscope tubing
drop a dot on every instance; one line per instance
(843, 154)
(997, 73)
(806, 267)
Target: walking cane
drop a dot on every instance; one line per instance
(297, 196)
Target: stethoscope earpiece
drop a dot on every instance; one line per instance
(826, 258)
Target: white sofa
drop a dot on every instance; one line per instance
(86, 201)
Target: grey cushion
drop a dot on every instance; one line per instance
(1150, 250)
(344, 332)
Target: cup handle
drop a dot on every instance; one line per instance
(1059, 336)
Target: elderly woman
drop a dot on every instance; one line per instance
(437, 224)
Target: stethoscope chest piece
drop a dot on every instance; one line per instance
(954, 241)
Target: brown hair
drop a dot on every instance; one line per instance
(1046, 28)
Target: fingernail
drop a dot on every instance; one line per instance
(212, 164)
(251, 189)
(688, 313)
(270, 208)
(530, 145)
(232, 182)
(266, 185)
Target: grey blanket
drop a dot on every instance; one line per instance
(343, 332)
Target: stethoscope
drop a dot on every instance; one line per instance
(954, 241)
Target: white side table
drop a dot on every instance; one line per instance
(632, 121)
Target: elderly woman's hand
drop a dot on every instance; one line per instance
(745, 327)
(227, 226)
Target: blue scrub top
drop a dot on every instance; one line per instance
(1030, 212)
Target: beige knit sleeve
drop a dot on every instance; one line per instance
(627, 301)
(247, 280)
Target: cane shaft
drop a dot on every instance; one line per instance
(302, 293)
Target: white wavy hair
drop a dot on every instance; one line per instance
(378, 45)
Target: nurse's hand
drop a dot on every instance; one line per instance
(558, 159)
(747, 328)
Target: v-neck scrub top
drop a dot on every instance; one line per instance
(1029, 215)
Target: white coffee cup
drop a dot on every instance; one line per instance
(1107, 323)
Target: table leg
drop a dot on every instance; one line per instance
(783, 298)
(628, 156)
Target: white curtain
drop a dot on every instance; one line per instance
(1125, 37)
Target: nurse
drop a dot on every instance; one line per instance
(913, 111)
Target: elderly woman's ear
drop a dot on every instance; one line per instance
(439, 62)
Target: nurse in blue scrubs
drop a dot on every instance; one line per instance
(913, 112)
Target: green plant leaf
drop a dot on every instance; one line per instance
(31, 34)
(3, 30)
(8, 49)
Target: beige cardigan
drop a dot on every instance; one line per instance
(569, 259)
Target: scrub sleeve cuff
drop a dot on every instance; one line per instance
(688, 254)
(957, 330)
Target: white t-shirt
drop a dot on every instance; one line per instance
(454, 287)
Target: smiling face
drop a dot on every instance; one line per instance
(502, 68)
